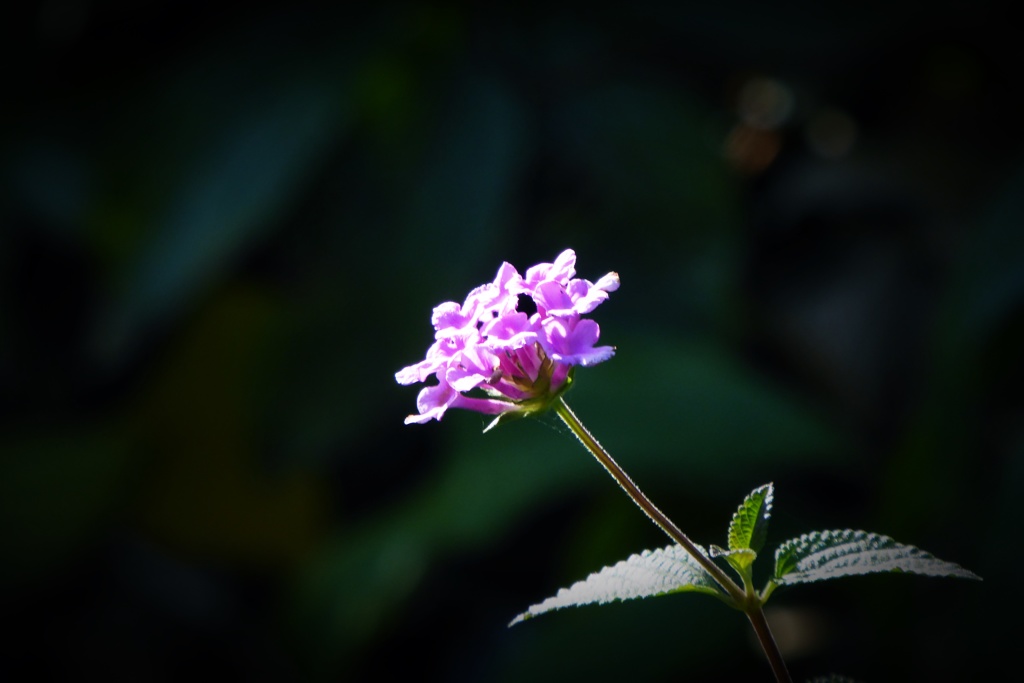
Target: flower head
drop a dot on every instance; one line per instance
(514, 363)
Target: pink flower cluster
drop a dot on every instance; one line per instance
(520, 362)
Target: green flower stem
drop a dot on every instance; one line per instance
(742, 599)
(657, 516)
(767, 640)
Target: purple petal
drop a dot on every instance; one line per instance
(510, 331)
(448, 314)
(564, 267)
(438, 355)
(498, 297)
(571, 341)
(432, 402)
(609, 282)
(470, 368)
(552, 299)
(561, 271)
(507, 277)
(418, 372)
(585, 296)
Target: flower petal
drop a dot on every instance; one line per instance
(552, 299)
(561, 271)
(432, 402)
(511, 331)
(571, 341)
(609, 282)
(470, 368)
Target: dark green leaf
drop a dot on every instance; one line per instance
(822, 555)
(651, 573)
(749, 526)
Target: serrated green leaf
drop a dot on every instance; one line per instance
(652, 572)
(822, 555)
(739, 559)
(749, 526)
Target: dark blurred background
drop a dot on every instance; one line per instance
(224, 227)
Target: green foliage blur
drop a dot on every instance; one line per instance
(223, 228)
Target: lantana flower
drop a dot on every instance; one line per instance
(493, 358)
(490, 357)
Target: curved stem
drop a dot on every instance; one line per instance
(749, 603)
(767, 641)
(656, 515)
